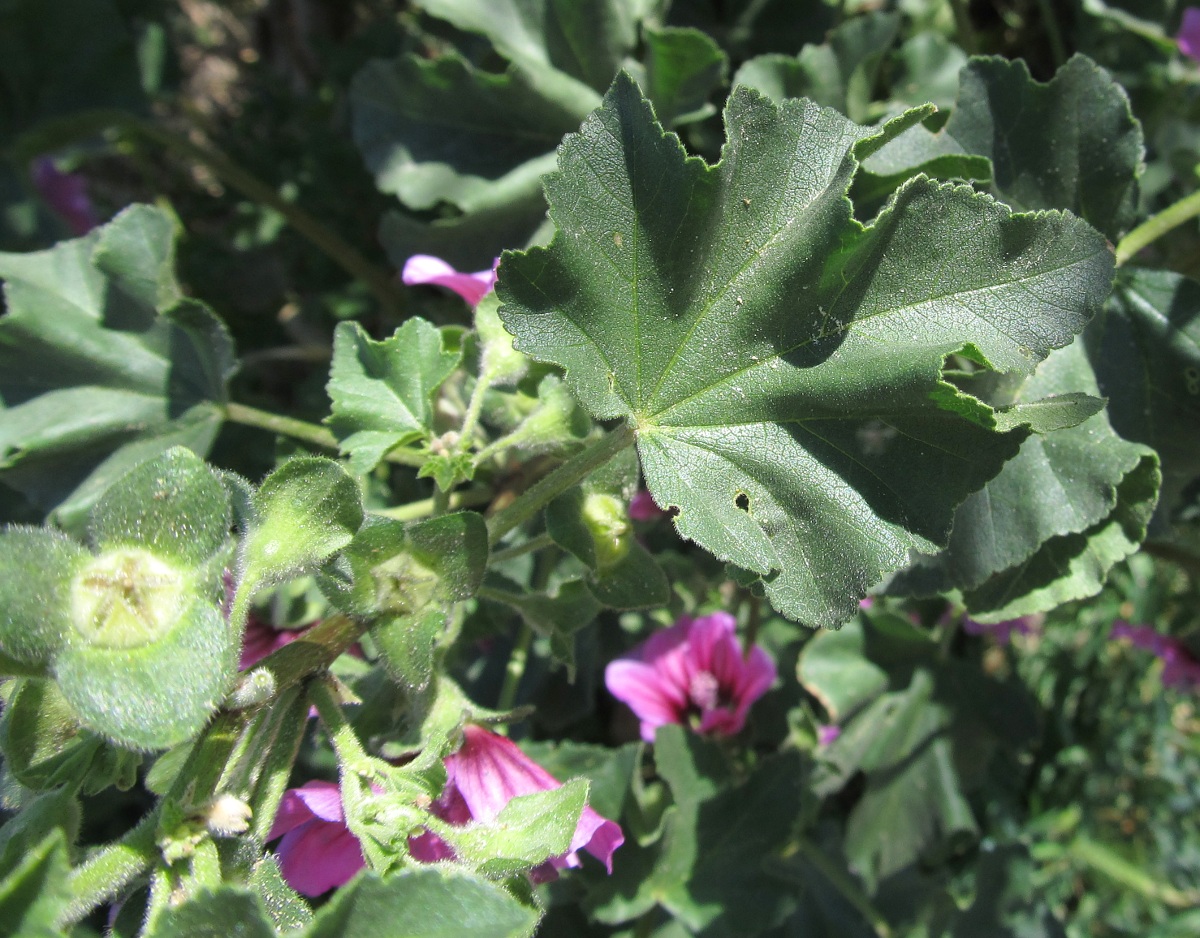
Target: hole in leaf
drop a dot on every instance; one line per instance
(742, 501)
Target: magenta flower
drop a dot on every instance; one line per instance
(828, 733)
(1181, 670)
(65, 194)
(1189, 33)
(485, 774)
(642, 507)
(693, 674)
(262, 638)
(317, 852)
(426, 269)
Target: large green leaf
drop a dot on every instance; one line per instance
(558, 42)
(443, 130)
(782, 364)
(720, 840)
(1071, 143)
(218, 913)
(918, 728)
(382, 392)
(423, 903)
(1050, 526)
(1145, 349)
(36, 894)
(103, 363)
(841, 73)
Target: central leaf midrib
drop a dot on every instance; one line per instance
(954, 296)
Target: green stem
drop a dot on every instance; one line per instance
(1108, 862)
(568, 474)
(280, 425)
(471, 417)
(515, 669)
(1058, 48)
(379, 281)
(303, 430)
(314, 651)
(845, 884)
(276, 769)
(541, 542)
(112, 868)
(1158, 225)
(963, 28)
(351, 755)
(411, 511)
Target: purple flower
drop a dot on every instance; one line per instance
(426, 269)
(262, 638)
(317, 852)
(1189, 33)
(693, 674)
(65, 194)
(642, 507)
(827, 734)
(1002, 631)
(1181, 670)
(483, 776)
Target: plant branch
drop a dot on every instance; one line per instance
(314, 651)
(410, 511)
(540, 542)
(109, 870)
(845, 884)
(515, 670)
(1106, 861)
(568, 474)
(377, 280)
(303, 430)
(1158, 225)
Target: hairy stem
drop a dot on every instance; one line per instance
(515, 670)
(314, 651)
(568, 474)
(540, 542)
(303, 430)
(108, 871)
(1158, 225)
(351, 755)
(411, 511)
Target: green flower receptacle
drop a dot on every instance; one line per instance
(155, 694)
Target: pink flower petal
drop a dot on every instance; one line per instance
(1189, 33)
(639, 687)
(693, 671)
(490, 770)
(318, 856)
(426, 269)
(300, 805)
(642, 507)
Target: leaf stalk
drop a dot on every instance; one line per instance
(570, 473)
(1158, 225)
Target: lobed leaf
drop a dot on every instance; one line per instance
(1145, 350)
(102, 364)
(782, 364)
(382, 392)
(423, 903)
(1080, 145)
(1071, 504)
